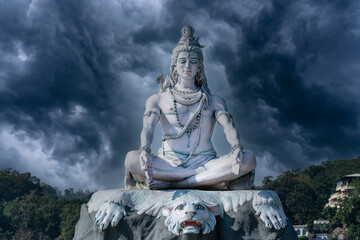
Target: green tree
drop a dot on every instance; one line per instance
(349, 212)
(5, 234)
(34, 216)
(296, 195)
(14, 184)
(30, 209)
(70, 214)
(303, 238)
(305, 192)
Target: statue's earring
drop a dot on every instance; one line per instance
(175, 76)
(198, 76)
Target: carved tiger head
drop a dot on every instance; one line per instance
(190, 215)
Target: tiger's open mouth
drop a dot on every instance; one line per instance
(191, 223)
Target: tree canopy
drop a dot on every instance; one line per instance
(30, 209)
(304, 193)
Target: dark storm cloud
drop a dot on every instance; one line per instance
(62, 83)
(74, 76)
(279, 47)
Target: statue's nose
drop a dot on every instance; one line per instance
(190, 213)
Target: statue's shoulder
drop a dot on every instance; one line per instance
(217, 101)
(153, 101)
(157, 98)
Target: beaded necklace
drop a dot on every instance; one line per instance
(198, 117)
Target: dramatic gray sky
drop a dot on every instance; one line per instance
(74, 76)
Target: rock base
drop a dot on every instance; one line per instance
(242, 224)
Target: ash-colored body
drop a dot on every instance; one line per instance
(217, 170)
(187, 113)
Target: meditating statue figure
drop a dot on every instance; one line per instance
(187, 113)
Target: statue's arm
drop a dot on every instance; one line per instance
(150, 119)
(225, 119)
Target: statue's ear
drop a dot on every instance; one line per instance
(166, 211)
(216, 210)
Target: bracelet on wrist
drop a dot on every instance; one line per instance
(144, 148)
(236, 147)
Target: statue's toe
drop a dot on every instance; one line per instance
(200, 169)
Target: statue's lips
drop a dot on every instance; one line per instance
(190, 223)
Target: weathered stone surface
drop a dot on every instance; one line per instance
(243, 224)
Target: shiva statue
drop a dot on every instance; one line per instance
(187, 112)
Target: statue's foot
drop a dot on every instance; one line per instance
(200, 169)
(223, 186)
(160, 185)
(148, 183)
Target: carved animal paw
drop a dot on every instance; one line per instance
(109, 212)
(264, 197)
(271, 216)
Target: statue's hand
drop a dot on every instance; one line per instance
(271, 216)
(236, 167)
(146, 164)
(109, 212)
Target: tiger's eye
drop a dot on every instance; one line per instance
(199, 207)
(180, 207)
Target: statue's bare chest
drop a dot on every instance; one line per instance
(173, 110)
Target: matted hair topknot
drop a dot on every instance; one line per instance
(187, 39)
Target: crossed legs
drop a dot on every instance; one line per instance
(162, 170)
(217, 171)
(166, 176)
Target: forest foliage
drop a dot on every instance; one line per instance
(304, 194)
(30, 209)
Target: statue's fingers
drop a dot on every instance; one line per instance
(151, 172)
(117, 218)
(142, 163)
(268, 223)
(235, 169)
(281, 218)
(274, 221)
(105, 223)
(283, 223)
(238, 168)
(148, 174)
(101, 217)
(96, 221)
(98, 214)
(263, 216)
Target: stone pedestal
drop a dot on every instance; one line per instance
(145, 214)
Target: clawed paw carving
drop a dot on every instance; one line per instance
(202, 205)
(268, 207)
(109, 212)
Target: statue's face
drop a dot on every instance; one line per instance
(187, 65)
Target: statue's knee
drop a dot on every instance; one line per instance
(131, 158)
(250, 160)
